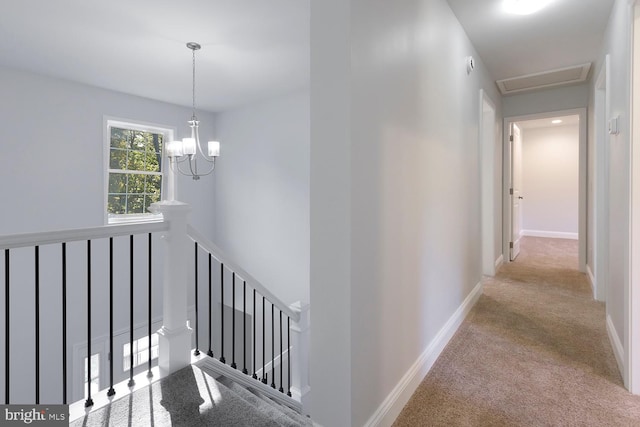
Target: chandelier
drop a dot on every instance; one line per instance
(189, 150)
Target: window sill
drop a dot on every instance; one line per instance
(133, 218)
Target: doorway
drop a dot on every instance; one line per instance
(540, 196)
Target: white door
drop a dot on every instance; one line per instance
(516, 186)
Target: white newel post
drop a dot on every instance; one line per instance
(174, 338)
(300, 358)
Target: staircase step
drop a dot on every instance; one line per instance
(280, 413)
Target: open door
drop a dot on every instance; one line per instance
(515, 191)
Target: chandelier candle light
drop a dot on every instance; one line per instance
(189, 149)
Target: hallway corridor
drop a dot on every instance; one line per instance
(534, 351)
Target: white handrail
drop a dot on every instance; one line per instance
(217, 253)
(12, 241)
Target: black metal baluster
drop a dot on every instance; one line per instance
(6, 327)
(264, 371)
(210, 352)
(131, 382)
(111, 390)
(281, 357)
(64, 323)
(233, 321)
(149, 373)
(37, 320)
(255, 365)
(89, 401)
(222, 313)
(288, 356)
(244, 328)
(197, 351)
(273, 351)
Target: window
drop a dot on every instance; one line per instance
(135, 170)
(140, 351)
(95, 374)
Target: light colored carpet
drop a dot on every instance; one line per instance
(533, 351)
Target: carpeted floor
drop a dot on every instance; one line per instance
(534, 351)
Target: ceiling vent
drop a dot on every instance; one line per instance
(560, 77)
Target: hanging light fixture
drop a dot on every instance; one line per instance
(189, 149)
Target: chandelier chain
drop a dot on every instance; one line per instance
(194, 83)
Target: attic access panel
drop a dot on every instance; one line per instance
(545, 79)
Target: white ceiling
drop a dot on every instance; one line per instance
(254, 49)
(251, 49)
(566, 33)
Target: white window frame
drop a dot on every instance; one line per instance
(168, 135)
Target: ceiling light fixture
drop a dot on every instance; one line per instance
(525, 7)
(189, 148)
(556, 121)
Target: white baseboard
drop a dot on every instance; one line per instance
(618, 349)
(549, 234)
(499, 262)
(592, 281)
(391, 407)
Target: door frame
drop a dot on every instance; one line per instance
(487, 135)
(582, 179)
(600, 181)
(632, 289)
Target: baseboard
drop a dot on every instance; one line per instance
(391, 407)
(618, 349)
(549, 234)
(499, 262)
(592, 281)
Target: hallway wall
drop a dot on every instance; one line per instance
(395, 223)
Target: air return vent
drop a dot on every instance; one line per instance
(560, 77)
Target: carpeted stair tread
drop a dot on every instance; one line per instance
(292, 413)
(280, 413)
(189, 397)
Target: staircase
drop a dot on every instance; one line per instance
(98, 286)
(194, 397)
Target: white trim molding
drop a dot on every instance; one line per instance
(499, 261)
(392, 405)
(592, 281)
(550, 234)
(616, 345)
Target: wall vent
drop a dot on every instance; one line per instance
(559, 77)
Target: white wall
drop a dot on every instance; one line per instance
(262, 192)
(395, 179)
(550, 161)
(543, 101)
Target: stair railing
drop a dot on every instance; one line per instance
(257, 333)
(53, 248)
(268, 339)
